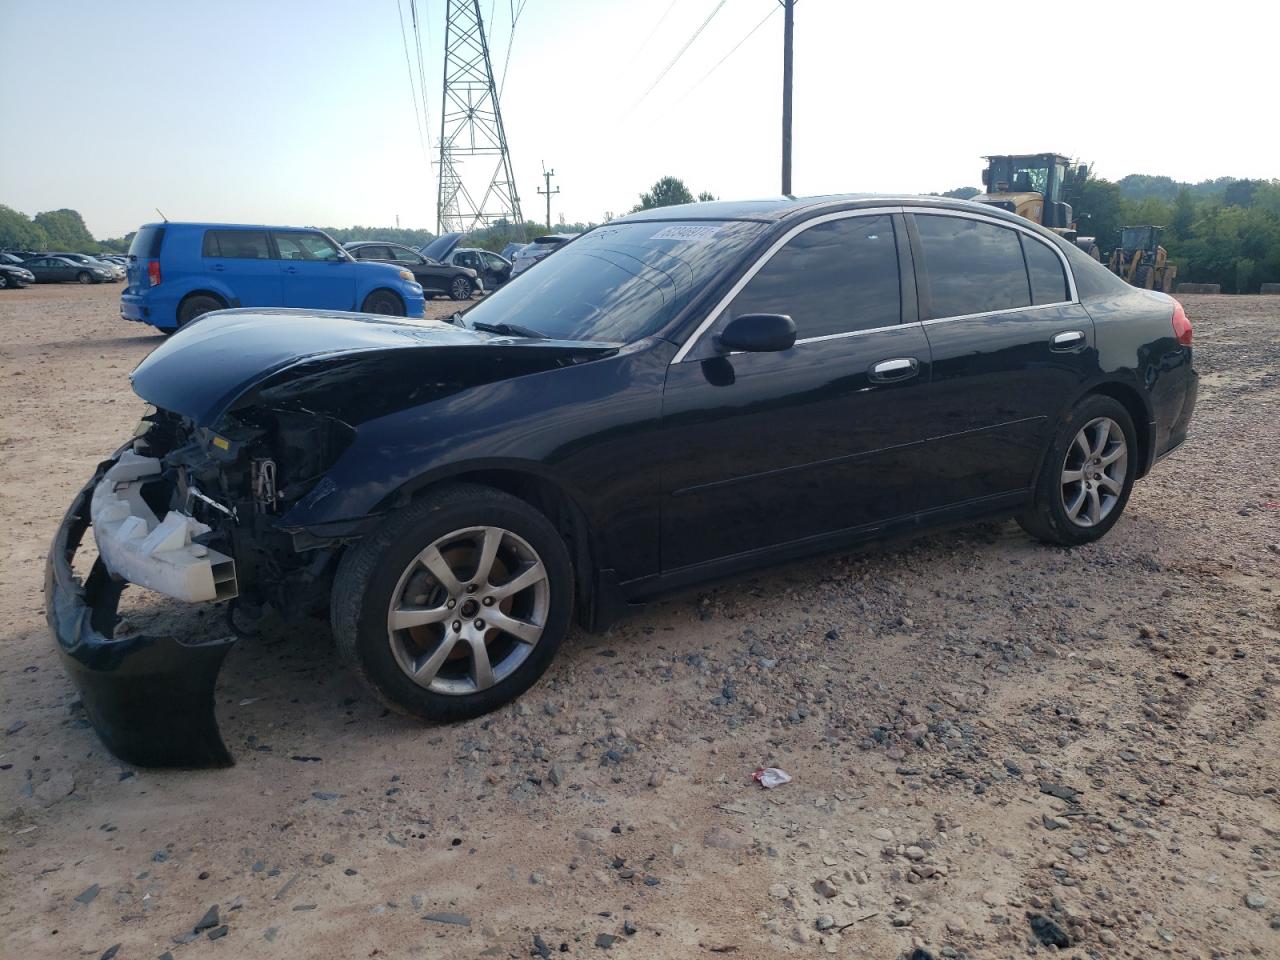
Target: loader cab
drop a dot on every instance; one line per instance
(1030, 185)
(1144, 238)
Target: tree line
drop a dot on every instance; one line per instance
(1224, 231)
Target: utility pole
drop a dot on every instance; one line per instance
(547, 175)
(788, 9)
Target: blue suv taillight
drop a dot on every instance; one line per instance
(153, 272)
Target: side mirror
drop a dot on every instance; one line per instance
(758, 333)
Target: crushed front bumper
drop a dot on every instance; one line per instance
(150, 698)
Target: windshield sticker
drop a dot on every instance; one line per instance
(688, 232)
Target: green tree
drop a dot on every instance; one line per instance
(667, 192)
(1096, 207)
(66, 231)
(18, 232)
(1184, 214)
(706, 195)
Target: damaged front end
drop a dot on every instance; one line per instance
(190, 513)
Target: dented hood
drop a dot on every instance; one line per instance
(203, 369)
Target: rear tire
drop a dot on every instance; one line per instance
(4, 282)
(1087, 474)
(84, 276)
(197, 306)
(460, 288)
(446, 663)
(384, 303)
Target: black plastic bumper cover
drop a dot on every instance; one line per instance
(150, 699)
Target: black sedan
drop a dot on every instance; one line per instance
(13, 277)
(681, 394)
(62, 269)
(434, 278)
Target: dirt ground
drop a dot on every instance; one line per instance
(987, 736)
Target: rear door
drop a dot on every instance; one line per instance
(315, 272)
(241, 261)
(767, 449)
(1011, 346)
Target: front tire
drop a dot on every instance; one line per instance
(1087, 475)
(384, 303)
(460, 288)
(84, 276)
(455, 605)
(4, 282)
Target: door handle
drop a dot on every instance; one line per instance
(218, 267)
(1068, 340)
(290, 269)
(897, 368)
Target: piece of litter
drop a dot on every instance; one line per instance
(770, 777)
(248, 700)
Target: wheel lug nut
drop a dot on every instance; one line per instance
(457, 626)
(471, 588)
(488, 601)
(451, 604)
(479, 624)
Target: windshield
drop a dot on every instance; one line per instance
(618, 283)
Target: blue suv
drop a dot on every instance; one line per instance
(179, 271)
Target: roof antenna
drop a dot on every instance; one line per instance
(162, 216)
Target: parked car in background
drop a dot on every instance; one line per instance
(492, 269)
(20, 256)
(435, 277)
(115, 272)
(539, 249)
(509, 251)
(456, 495)
(180, 271)
(64, 269)
(12, 258)
(13, 276)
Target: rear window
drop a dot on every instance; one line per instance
(1048, 282)
(146, 243)
(236, 245)
(972, 266)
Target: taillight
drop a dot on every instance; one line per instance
(153, 273)
(1181, 325)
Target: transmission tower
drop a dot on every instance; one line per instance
(471, 127)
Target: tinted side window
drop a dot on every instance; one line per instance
(1048, 281)
(305, 246)
(836, 277)
(372, 253)
(236, 244)
(403, 255)
(972, 266)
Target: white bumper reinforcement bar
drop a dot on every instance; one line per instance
(153, 553)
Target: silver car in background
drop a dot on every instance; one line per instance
(540, 248)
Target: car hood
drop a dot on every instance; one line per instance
(213, 363)
(441, 246)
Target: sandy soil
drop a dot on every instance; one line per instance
(924, 699)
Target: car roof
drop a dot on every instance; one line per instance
(350, 244)
(774, 210)
(211, 225)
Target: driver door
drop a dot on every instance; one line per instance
(315, 272)
(770, 449)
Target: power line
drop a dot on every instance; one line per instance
(417, 112)
(422, 77)
(750, 34)
(511, 39)
(676, 59)
(661, 19)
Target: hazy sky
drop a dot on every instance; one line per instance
(300, 112)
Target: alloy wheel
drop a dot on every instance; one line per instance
(461, 289)
(468, 610)
(1094, 472)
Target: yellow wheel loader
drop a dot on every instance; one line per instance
(1033, 185)
(1141, 260)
